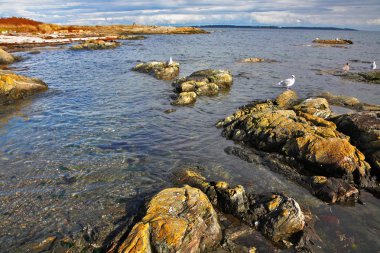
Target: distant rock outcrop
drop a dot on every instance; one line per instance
(96, 45)
(337, 41)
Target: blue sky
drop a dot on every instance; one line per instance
(364, 14)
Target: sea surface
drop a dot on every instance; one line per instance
(87, 151)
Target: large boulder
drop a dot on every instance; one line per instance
(306, 137)
(333, 42)
(13, 87)
(160, 70)
(5, 57)
(364, 130)
(177, 220)
(315, 106)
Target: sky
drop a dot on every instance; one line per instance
(363, 14)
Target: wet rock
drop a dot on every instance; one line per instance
(315, 106)
(177, 220)
(277, 216)
(5, 57)
(328, 189)
(306, 137)
(364, 130)
(14, 87)
(255, 60)
(367, 77)
(333, 42)
(96, 45)
(201, 83)
(160, 70)
(350, 102)
(185, 98)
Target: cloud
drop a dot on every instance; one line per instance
(347, 13)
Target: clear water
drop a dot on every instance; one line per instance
(99, 137)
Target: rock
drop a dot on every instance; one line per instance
(350, 102)
(277, 216)
(131, 37)
(333, 42)
(330, 190)
(315, 106)
(286, 99)
(96, 45)
(364, 130)
(306, 137)
(160, 70)
(255, 60)
(367, 77)
(177, 220)
(13, 87)
(5, 57)
(203, 83)
(185, 98)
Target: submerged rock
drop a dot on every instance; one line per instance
(176, 220)
(333, 42)
(96, 45)
(203, 83)
(5, 57)
(14, 87)
(160, 70)
(306, 137)
(277, 216)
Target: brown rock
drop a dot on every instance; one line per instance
(5, 57)
(13, 87)
(286, 99)
(160, 70)
(177, 220)
(315, 106)
(185, 98)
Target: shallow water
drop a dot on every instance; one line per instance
(99, 138)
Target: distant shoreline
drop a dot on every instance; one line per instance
(277, 27)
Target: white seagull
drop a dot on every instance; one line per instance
(170, 61)
(373, 65)
(287, 82)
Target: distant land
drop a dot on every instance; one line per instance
(277, 27)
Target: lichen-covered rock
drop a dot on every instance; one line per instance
(364, 130)
(13, 87)
(131, 37)
(252, 60)
(201, 83)
(306, 137)
(5, 57)
(177, 220)
(185, 98)
(286, 99)
(96, 45)
(277, 216)
(160, 70)
(333, 42)
(315, 106)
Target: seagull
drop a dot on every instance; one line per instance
(346, 67)
(170, 61)
(373, 65)
(287, 82)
